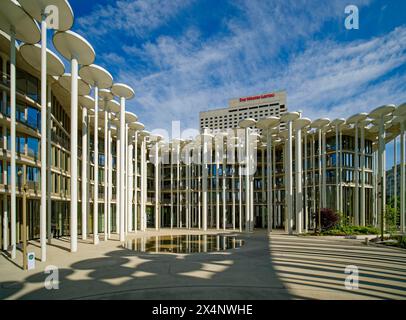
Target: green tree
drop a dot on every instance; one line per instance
(390, 219)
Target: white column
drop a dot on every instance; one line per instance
(178, 218)
(247, 182)
(199, 194)
(251, 220)
(127, 180)
(145, 192)
(160, 175)
(49, 165)
(324, 188)
(143, 185)
(395, 182)
(337, 172)
(224, 196)
(43, 213)
(210, 193)
(341, 173)
(233, 194)
(145, 188)
(289, 181)
(402, 178)
(381, 174)
(130, 186)
(285, 166)
(157, 186)
(313, 159)
(106, 170)
(240, 197)
(136, 181)
(122, 167)
(384, 178)
(362, 207)
(187, 188)
(374, 187)
(126, 213)
(5, 196)
(263, 193)
(217, 186)
(299, 191)
(306, 209)
(171, 166)
(204, 185)
(88, 168)
(190, 201)
(269, 179)
(13, 167)
(110, 178)
(320, 175)
(273, 184)
(84, 172)
(96, 167)
(118, 173)
(193, 198)
(356, 177)
(74, 157)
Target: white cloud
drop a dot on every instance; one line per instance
(328, 74)
(135, 17)
(114, 58)
(328, 77)
(175, 77)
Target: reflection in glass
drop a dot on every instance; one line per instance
(184, 243)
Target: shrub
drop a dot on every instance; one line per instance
(390, 219)
(402, 241)
(344, 219)
(329, 219)
(351, 230)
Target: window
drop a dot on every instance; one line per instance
(21, 82)
(32, 174)
(32, 88)
(33, 118)
(55, 157)
(20, 145)
(27, 85)
(20, 113)
(32, 147)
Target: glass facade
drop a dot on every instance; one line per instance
(180, 189)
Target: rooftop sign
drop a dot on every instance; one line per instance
(264, 96)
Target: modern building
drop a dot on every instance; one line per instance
(392, 184)
(80, 165)
(254, 107)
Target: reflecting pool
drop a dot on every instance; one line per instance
(191, 243)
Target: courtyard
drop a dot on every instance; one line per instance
(275, 267)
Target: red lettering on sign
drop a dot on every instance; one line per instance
(264, 96)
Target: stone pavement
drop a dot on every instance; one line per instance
(279, 267)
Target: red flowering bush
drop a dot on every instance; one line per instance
(328, 218)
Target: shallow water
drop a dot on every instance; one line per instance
(184, 243)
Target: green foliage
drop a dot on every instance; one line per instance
(391, 202)
(402, 242)
(390, 220)
(344, 220)
(343, 230)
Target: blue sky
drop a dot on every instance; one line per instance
(186, 56)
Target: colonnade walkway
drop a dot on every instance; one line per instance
(275, 267)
